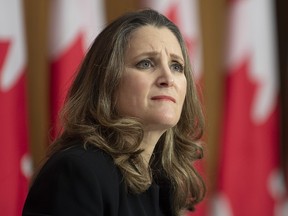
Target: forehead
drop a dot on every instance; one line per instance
(151, 38)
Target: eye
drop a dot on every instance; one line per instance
(144, 64)
(175, 66)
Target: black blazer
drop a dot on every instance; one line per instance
(86, 182)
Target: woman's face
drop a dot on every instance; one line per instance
(153, 85)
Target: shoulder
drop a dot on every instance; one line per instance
(74, 181)
(78, 167)
(79, 160)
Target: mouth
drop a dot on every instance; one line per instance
(164, 97)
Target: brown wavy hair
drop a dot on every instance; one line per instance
(89, 114)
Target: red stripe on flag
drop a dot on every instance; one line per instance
(14, 142)
(4, 46)
(62, 71)
(249, 150)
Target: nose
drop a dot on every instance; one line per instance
(165, 78)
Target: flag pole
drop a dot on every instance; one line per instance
(36, 15)
(212, 23)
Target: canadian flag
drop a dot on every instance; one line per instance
(249, 178)
(73, 26)
(14, 161)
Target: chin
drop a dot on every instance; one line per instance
(160, 122)
(168, 122)
(161, 126)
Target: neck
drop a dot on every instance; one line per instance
(148, 143)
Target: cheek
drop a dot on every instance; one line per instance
(136, 83)
(133, 87)
(131, 95)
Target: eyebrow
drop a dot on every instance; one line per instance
(155, 53)
(177, 57)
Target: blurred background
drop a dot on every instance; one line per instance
(238, 50)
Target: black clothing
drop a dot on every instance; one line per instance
(83, 182)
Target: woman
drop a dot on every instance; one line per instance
(130, 126)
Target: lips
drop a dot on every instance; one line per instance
(164, 97)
